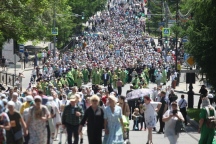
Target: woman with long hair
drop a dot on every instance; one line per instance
(124, 106)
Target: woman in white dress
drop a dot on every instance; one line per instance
(170, 117)
(150, 112)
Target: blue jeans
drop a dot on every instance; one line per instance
(72, 129)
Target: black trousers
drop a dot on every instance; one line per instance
(26, 139)
(94, 136)
(119, 90)
(105, 82)
(72, 129)
(211, 100)
(48, 134)
(161, 123)
(199, 103)
(184, 113)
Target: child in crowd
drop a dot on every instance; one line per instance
(136, 116)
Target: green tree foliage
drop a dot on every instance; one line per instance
(24, 20)
(202, 36)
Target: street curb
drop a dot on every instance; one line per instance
(28, 69)
(193, 123)
(184, 92)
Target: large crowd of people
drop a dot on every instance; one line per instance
(83, 86)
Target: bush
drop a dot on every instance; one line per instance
(194, 114)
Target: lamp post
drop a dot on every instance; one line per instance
(176, 51)
(54, 25)
(161, 19)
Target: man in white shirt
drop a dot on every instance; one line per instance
(183, 108)
(18, 104)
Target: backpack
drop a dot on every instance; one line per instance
(210, 120)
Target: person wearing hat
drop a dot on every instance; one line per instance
(207, 134)
(170, 118)
(71, 118)
(18, 104)
(14, 135)
(37, 122)
(26, 104)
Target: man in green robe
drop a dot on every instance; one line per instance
(75, 75)
(85, 73)
(59, 84)
(97, 77)
(79, 79)
(146, 71)
(164, 76)
(70, 78)
(136, 82)
(101, 71)
(122, 76)
(117, 70)
(126, 76)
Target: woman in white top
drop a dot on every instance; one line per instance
(150, 113)
(170, 117)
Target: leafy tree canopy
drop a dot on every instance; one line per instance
(24, 20)
(202, 36)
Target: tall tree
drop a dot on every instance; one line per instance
(202, 36)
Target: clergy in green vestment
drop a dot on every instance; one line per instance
(59, 84)
(115, 79)
(101, 71)
(70, 78)
(122, 76)
(146, 71)
(136, 82)
(164, 76)
(79, 78)
(75, 73)
(85, 73)
(126, 76)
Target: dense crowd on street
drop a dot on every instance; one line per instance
(83, 88)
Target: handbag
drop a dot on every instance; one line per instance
(179, 127)
(18, 135)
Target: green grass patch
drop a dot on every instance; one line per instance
(194, 114)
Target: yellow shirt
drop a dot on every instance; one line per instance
(24, 106)
(178, 67)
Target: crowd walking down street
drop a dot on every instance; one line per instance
(116, 87)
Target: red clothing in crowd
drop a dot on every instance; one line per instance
(104, 99)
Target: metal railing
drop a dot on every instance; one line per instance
(7, 79)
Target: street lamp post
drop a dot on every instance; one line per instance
(176, 51)
(54, 25)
